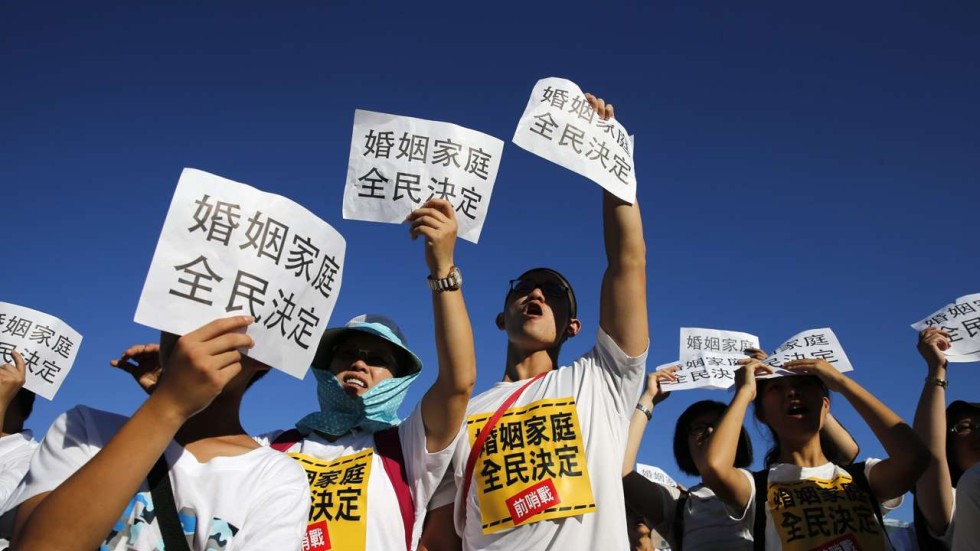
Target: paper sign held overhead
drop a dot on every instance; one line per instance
(47, 345)
(961, 320)
(559, 125)
(810, 344)
(229, 249)
(709, 358)
(397, 163)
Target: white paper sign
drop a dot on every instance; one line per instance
(47, 344)
(228, 249)
(655, 474)
(961, 320)
(709, 358)
(813, 343)
(397, 163)
(559, 125)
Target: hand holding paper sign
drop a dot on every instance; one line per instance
(12, 378)
(201, 364)
(435, 221)
(833, 379)
(142, 362)
(933, 344)
(654, 393)
(745, 382)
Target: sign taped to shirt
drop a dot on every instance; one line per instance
(338, 501)
(825, 515)
(532, 466)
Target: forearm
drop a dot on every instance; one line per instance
(80, 512)
(722, 447)
(895, 435)
(634, 435)
(934, 487)
(623, 303)
(841, 439)
(907, 457)
(445, 404)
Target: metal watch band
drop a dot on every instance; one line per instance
(645, 411)
(937, 381)
(452, 282)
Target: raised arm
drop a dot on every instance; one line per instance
(444, 404)
(907, 457)
(623, 300)
(934, 489)
(652, 396)
(82, 510)
(717, 464)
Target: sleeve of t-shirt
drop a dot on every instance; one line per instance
(425, 470)
(622, 374)
(746, 514)
(278, 520)
(445, 493)
(15, 458)
(891, 504)
(69, 443)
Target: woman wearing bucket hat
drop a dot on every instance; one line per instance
(947, 496)
(372, 475)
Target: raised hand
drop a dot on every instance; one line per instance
(142, 362)
(12, 378)
(435, 220)
(745, 376)
(833, 379)
(201, 364)
(654, 392)
(933, 342)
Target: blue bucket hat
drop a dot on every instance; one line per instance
(372, 324)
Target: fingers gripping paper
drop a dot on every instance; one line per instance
(961, 320)
(229, 249)
(810, 344)
(398, 163)
(709, 358)
(47, 345)
(560, 125)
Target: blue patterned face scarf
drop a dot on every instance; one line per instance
(376, 409)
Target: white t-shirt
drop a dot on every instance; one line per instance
(424, 471)
(15, 458)
(966, 512)
(819, 508)
(708, 523)
(257, 500)
(601, 389)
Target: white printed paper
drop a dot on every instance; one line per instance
(813, 343)
(397, 163)
(709, 358)
(961, 320)
(559, 125)
(655, 474)
(47, 345)
(229, 249)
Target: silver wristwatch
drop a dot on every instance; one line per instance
(452, 282)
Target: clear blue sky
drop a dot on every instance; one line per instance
(798, 166)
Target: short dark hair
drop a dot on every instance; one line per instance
(956, 411)
(682, 453)
(572, 302)
(24, 401)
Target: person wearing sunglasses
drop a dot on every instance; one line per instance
(947, 496)
(547, 474)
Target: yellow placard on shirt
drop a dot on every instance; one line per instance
(532, 466)
(824, 515)
(338, 501)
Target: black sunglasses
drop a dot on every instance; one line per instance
(552, 289)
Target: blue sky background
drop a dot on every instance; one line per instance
(798, 166)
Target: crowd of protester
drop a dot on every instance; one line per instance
(182, 473)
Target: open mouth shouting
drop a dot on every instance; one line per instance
(796, 410)
(532, 309)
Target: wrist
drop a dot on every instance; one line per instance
(937, 370)
(647, 401)
(439, 270)
(169, 413)
(646, 411)
(938, 381)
